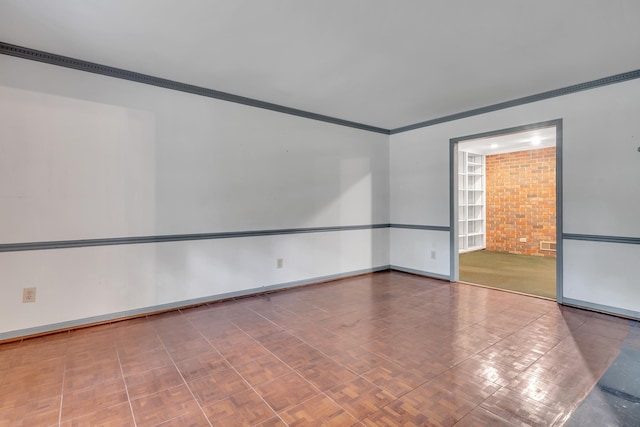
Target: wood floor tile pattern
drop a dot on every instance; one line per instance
(385, 349)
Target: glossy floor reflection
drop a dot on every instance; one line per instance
(386, 349)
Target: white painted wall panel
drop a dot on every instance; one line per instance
(72, 169)
(419, 178)
(80, 283)
(413, 249)
(216, 166)
(602, 163)
(600, 159)
(599, 273)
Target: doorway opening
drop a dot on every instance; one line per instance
(506, 215)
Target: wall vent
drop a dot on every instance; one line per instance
(548, 246)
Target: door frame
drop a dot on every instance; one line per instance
(453, 194)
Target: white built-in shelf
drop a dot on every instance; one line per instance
(471, 202)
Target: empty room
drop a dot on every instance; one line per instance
(243, 213)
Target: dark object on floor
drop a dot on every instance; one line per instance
(615, 400)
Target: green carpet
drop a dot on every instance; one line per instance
(522, 273)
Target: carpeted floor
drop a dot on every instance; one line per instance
(522, 273)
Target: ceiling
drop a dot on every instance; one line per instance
(510, 142)
(382, 63)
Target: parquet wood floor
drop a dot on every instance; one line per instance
(385, 349)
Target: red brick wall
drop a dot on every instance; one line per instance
(521, 201)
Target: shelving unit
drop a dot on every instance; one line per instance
(471, 202)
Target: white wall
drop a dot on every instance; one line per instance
(606, 267)
(601, 190)
(84, 156)
(81, 283)
(421, 250)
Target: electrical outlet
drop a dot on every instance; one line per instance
(279, 263)
(28, 295)
(433, 254)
